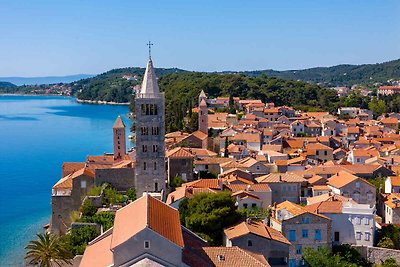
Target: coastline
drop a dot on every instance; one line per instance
(99, 102)
(81, 101)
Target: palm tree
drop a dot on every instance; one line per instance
(46, 250)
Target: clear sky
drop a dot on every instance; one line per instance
(57, 37)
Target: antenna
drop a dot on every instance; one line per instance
(149, 44)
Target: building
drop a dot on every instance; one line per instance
(302, 228)
(179, 163)
(150, 132)
(392, 208)
(348, 185)
(352, 223)
(392, 184)
(203, 113)
(388, 90)
(257, 237)
(284, 186)
(119, 139)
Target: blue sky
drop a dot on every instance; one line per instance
(40, 38)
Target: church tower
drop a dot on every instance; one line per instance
(150, 132)
(203, 113)
(119, 139)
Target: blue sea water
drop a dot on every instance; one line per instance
(37, 134)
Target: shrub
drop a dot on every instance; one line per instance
(131, 193)
(87, 208)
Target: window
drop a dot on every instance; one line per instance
(326, 153)
(249, 243)
(144, 131)
(149, 109)
(119, 147)
(299, 249)
(144, 166)
(118, 143)
(304, 233)
(305, 220)
(146, 244)
(358, 220)
(253, 205)
(366, 221)
(156, 186)
(144, 148)
(317, 234)
(245, 205)
(358, 184)
(292, 235)
(83, 184)
(155, 130)
(155, 148)
(367, 236)
(155, 165)
(317, 152)
(337, 237)
(358, 235)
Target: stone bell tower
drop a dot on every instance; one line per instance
(203, 113)
(150, 132)
(119, 137)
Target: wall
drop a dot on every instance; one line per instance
(122, 178)
(378, 255)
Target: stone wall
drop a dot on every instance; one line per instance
(378, 255)
(122, 179)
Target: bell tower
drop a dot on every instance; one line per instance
(119, 136)
(203, 113)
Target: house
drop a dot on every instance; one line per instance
(248, 164)
(351, 112)
(284, 186)
(312, 129)
(392, 208)
(348, 185)
(392, 184)
(319, 152)
(359, 156)
(262, 192)
(392, 123)
(257, 237)
(195, 139)
(388, 90)
(179, 163)
(272, 114)
(352, 223)
(302, 228)
(154, 238)
(67, 196)
(211, 165)
(297, 127)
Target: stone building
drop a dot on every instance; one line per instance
(203, 113)
(150, 131)
(256, 237)
(302, 228)
(180, 163)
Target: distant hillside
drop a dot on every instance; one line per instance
(45, 80)
(340, 75)
(115, 85)
(7, 85)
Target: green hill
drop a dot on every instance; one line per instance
(7, 85)
(340, 75)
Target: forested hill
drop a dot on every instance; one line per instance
(340, 75)
(7, 85)
(115, 85)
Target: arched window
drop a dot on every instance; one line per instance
(249, 243)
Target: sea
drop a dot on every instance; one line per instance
(38, 134)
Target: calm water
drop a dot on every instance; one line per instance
(37, 134)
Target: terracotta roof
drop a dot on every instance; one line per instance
(280, 178)
(236, 171)
(70, 167)
(390, 121)
(202, 152)
(153, 214)
(325, 207)
(98, 252)
(365, 153)
(204, 183)
(244, 194)
(395, 180)
(66, 182)
(199, 135)
(257, 228)
(233, 257)
(353, 130)
(295, 209)
(250, 188)
(321, 187)
(178, 152)
(393, 200)
(211, 161)
(118, 123)
(318, 146)
(327, 197)
(341, 179)
(248, 137)
(100, 159)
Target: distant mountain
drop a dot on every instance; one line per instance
(7, 85)
(340, 75)
(45, 80)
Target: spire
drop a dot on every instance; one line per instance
(149, 85)
(202, 94)
(203, 103)
(118, 123)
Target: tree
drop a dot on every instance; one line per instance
(87, 208)
(391, 232)
(232, 108)
(390, 262)
(377, 106)
(177, 181)
(226, 152)
(131, 193)
(386, 242)
(46, 250)
(323, 257)
(77, 239)
(207, 214)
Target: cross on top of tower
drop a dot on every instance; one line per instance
(149, 44)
